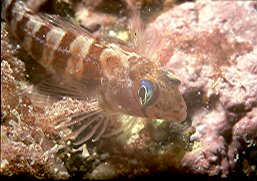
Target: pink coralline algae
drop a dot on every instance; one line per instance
(212, 47)
(26, 147)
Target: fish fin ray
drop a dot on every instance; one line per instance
(102, 130)
(136, 26)
(126, 128)
(38, 99)
(50, 90)
(57, 88)
(148, 42)
(85, 125)
(62, 22)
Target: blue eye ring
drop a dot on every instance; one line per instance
(145, 92)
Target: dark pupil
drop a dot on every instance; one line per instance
(142, 93)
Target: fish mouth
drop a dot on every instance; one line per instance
(178, 114)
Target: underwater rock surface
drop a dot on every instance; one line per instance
(212, 48)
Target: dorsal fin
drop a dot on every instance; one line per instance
(136, 26)
(146, 41)
(66, 24)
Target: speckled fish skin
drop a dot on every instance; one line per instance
(113, 70)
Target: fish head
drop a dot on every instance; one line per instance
(145, 90)
(158, 96)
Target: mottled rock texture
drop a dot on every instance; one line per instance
(26, 143)
(211, 47)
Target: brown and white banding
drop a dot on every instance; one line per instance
(53, 40)
(79, 49)
(62, 53)
(32, 26)
(7, 7)
(91, 63)
(113, 61)
(17, 11)
(39, 41)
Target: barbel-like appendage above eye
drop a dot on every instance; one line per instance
(172, 77)
(145, 92)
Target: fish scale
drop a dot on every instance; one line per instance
(117, 77)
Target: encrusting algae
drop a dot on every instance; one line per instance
(97, 89)
(57, 123)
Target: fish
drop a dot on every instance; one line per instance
(112, 79)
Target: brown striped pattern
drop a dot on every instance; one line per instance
(32, 27)
(92, 65)
(81, 45)
(38, 42)
(62, 53)
(95, 52)
(53, 40)
(22, 28)
(61, 50)
(7, 6)
(79, 48)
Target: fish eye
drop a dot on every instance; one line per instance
(145, 92)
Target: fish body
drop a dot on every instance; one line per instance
(122, 80)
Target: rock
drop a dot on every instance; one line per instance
(211, 46)
(25, 147)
